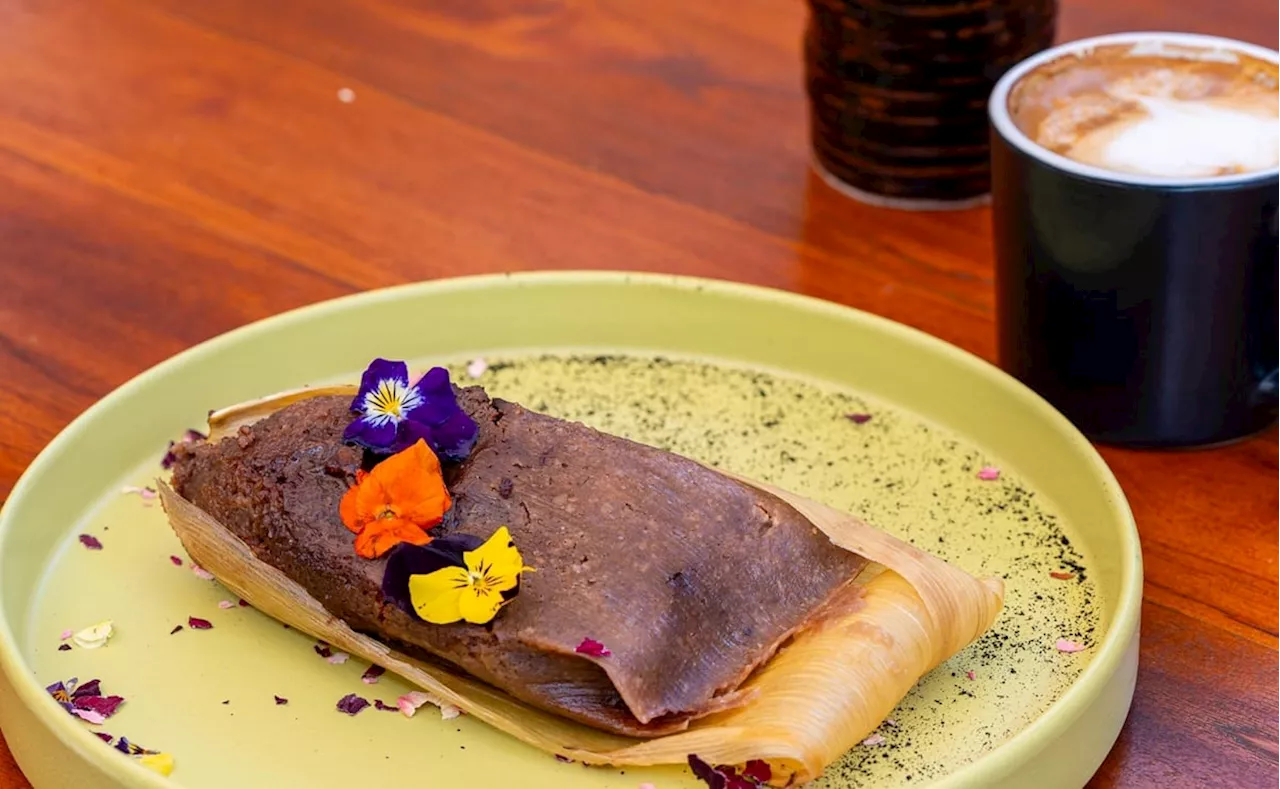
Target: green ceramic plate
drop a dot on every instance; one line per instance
(756, 381)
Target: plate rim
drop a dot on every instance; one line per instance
(1071, 704)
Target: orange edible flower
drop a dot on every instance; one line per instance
(397, 502)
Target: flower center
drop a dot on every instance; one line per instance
(388, 512)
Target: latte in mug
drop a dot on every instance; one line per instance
(1155, 108)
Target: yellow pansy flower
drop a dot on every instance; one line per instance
(472, 593)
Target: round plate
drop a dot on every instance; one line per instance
(206, 696)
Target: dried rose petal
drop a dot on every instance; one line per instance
(175, 629)
(280, 700)
(201, 572)
(322, 649)
(64, 647)
(726, 776)
(1062, 576)
(379, 704)
(874, 739)
(338, 658)
(989, 473)
(196, 623)
(858, 419)
(105, 706)
(243, 603)
(65, 634)
(352, 704)
(102, 735)
(86, 690)
(757, 770)
(171, 457)
(371, 674)
(592, 648)
(96, 718)
(969, 674)
(226, 604)
(90, 542)
(1065, 645)
(177, 561)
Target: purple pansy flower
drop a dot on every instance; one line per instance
(395, 414)
(406, 560)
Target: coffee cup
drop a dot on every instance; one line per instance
(1134, 189)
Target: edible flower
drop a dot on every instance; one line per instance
(394, 415)
(407, 560)
(397, 502)
(755, 773)
(473, 592)
(85, 701)
(352, 704)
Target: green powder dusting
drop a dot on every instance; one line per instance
(897, 471)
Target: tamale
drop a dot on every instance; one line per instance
(736, 570)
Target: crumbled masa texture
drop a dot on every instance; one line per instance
(903, 474)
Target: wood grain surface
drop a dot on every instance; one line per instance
(170, 170)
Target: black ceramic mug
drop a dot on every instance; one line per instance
(1142, 306)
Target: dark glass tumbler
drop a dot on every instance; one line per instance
(898, 92)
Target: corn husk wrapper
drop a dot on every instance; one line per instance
(815, 699)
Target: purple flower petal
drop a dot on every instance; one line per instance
(858, 419)
(196, 623)
(706, 773)
(91, 688)
(405, 560)
(102, 735)
(176, 561)
(352, 704)
(379, 704)
(453, 440)
(378, 371)
(371, 674)
(124, 746)
(64, 647)
(366, 433)
(438, 403)
(452, 433)
(90, 542)
(280, 700)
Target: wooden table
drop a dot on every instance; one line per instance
(170, 170)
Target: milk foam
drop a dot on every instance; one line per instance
(1188, 139)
